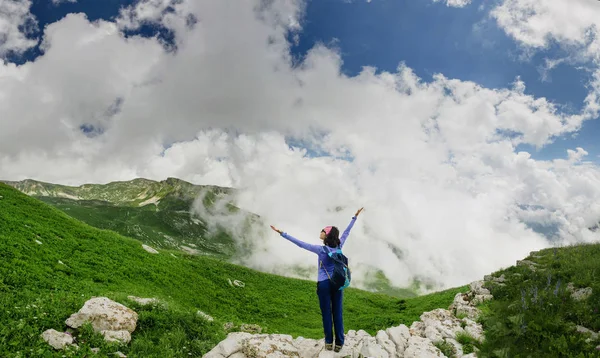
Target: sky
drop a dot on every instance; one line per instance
(467, 129)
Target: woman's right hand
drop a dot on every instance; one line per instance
(276, 229)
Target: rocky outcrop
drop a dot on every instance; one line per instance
(435, 327)
(464, 303)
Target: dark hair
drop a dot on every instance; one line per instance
(333, 238)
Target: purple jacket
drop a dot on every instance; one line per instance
(322, 251)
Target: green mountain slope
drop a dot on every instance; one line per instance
(156, 213)
(136, 192)
(52, 263)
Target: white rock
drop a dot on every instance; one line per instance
(386, 343)
(104, 315)
(370, 348)
(478, 299)
(478, 289)
(58, 340)
(143, 301)
(457, 346)
(440, 324)
(38, 242)
(308, 348)
(116, 336)
(474, 329)
(419, 347)
(120, 355)
(581, 293)
(230, 345)
(149, 249)
(205, 316)
(399, 335)
(417, 328)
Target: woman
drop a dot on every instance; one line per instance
(330, 298)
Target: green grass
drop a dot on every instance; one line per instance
(38, 293)
(534, 315)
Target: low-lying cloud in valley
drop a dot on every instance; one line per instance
(434, 164)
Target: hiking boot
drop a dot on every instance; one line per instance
(328, 346)
(337, 348)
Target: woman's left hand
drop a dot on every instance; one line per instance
(276, 229)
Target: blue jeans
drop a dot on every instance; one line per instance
(330, 300)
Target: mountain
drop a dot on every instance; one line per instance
(158, 213)
(52, 264)
(136, 193)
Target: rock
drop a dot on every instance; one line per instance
(38, 242)
(457, 347)
(120, 355)
(116, 336)
(250, 328)
(440, 324)
(478, 289)
(227, 326)
(308, 348)
(105, 315)
(532, 265)
(474, 329)
(582, 294)
(417, 328)
(386, 343)
(230, 345)
(584, 330)
(205, 316)
(419, 347)
(143, 301)
(149, 249)
(95, 350)
(399, 335)
(58, 340)
(370, 348)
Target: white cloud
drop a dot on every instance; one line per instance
(455, 3)
(16, 22)
(57, 2)
(431, 162)
(574, 25)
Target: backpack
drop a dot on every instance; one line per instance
(341, 272)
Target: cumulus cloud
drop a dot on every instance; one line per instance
(573, 25)
(16, 23)
(455, 3)
(447, 198)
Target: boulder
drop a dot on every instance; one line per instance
(106, 316)
(58, 340)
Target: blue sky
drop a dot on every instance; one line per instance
(462, 43)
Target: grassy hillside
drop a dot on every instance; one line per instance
(169, 225)
(535, 314)
(157, 213)
(52, 263)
